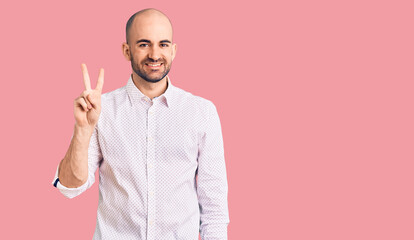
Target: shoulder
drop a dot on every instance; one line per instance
(115, 97)
(117, 93)
(188, 100)
(113, 103)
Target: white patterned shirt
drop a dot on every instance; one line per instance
(162, 174)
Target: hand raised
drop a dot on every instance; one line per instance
(87, 107)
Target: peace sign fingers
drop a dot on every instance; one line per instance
(87, 81)
(87, 107)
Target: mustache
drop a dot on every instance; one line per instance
(154, 61)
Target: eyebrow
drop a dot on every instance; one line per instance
(148, 41)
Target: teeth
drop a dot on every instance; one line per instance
(154, 65)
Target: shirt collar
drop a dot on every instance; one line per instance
(136, 96)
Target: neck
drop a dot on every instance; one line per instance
(149, 89)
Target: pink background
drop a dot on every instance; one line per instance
(315, 100)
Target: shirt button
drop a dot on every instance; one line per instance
(151, 193)
(151, 112)
(151, 222)
(149, 138)
(150, 165)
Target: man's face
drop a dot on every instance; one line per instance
(151, 48)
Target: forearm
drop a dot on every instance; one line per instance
(214, 216)
(73, 169)
(212, 187)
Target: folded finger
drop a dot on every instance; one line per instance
(81, 101)
(93, 100)
(89, 104)
(85, 95)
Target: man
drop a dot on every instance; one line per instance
(159, 149)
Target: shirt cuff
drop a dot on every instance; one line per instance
(214, 232)
(68, 192)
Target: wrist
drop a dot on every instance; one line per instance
(83, 131)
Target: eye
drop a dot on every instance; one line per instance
(143, 45)
(164, 45)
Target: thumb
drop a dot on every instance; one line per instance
(93, 99)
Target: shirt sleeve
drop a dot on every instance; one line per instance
(94, 158)
(212, 186)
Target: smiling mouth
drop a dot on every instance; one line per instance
(157, 65)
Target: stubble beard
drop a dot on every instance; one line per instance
(141, 72)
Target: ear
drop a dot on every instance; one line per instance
(126, 51)
(174, 51)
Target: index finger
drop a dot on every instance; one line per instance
(86, 79)
(99, 84)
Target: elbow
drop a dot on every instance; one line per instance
(73, 181)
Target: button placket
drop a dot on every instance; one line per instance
(151, 172)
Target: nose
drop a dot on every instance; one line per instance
(154, 54)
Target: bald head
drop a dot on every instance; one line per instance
(146, 17)
(149, 45)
